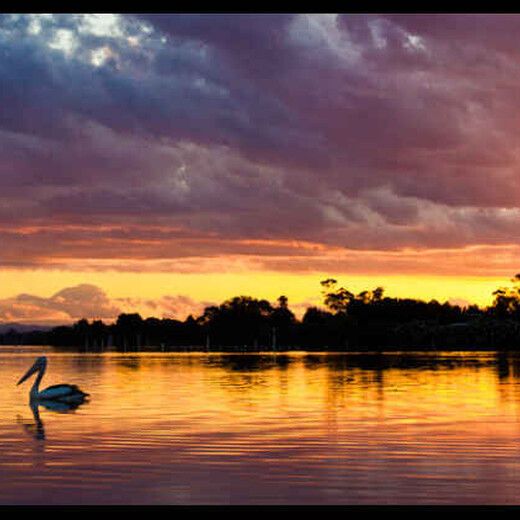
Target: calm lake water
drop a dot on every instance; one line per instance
(291, 428)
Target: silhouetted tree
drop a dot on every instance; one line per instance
(129, 329)
(507, 300)
(283, 323)
(242, 320)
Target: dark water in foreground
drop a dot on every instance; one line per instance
(297, 428)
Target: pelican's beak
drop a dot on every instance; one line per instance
(29, 373)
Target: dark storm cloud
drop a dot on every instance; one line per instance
(359, 131)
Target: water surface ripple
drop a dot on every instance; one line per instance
(283, 428)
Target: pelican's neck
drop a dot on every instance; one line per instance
(35, 390)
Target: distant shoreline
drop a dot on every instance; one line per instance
(368, 321)
(268, 351)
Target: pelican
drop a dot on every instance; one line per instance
(57, 393)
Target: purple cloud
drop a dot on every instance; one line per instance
(353, 131)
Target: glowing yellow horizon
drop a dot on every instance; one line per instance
(266, 269)
(301, 289)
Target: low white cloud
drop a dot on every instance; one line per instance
(91, 302)
(69, 304)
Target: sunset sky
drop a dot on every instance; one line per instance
(159, 163)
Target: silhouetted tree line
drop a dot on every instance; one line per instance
(368, 320)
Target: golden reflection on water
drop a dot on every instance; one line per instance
(265, 428)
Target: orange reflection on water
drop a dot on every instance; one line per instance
(271, 428)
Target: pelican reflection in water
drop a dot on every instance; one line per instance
(64, 394)
(36, 427)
